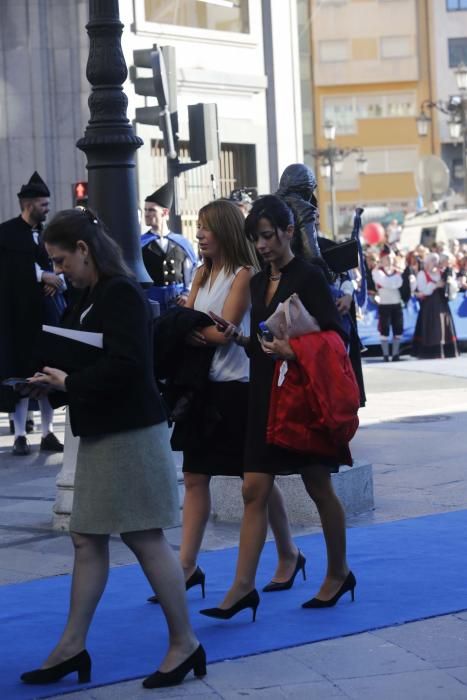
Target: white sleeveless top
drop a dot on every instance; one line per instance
(230, 362)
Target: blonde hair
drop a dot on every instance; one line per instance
(225, 220)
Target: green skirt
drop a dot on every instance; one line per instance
(125, 482)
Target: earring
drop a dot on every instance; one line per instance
(86, 261)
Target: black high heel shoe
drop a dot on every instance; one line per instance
(197, 578)
(250, 600)
(80, 663)
(285, 585)
(348, 585)
(196, 662)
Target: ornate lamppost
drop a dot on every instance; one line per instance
(331, 160)
(110, 142)
(110, 145)
(456, 110)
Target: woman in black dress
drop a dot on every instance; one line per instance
(270, 226)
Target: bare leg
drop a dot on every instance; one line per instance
(256, 491)
(165, 575)
(287, 551)
(319, 486)
(90, 573)
(196, 510)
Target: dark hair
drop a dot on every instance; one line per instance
(280, 216)
(72, 225)
(269, 207)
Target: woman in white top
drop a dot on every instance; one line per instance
(222, 285)
(435, 334)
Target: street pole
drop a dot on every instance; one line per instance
(332, 185)
(110, 142)
(464, 140)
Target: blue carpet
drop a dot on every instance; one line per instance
(406, 570)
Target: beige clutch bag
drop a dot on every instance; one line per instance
(291, 318)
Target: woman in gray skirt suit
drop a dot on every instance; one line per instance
(125, 477)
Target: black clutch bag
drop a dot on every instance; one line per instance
(342, 256)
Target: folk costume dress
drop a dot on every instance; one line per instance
(435, 333)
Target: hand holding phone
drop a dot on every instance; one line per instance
(219, 321)
(265, 333)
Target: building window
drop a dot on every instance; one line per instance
(345, 111)
(456, 5)
(392, 160)
(219, 15)
(333, 51)
(457, 49)
(237, 168)
(396, 46)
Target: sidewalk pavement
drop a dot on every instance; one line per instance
(413, 431)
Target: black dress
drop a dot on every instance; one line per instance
(309, 283)
(435, 333)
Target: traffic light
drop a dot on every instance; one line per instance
(162, 84)
(80, 193)
(204, 132)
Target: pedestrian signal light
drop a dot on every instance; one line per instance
(80, 193)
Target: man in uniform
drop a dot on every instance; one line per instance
(27, 286)
(169, 257)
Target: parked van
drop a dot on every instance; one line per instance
(426, 228)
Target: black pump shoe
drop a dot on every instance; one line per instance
(196, 663)
(80, 663)
(197, 578)
(285, 585)
(250, 600)
(348, 585)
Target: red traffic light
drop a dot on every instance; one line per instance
(80, 192)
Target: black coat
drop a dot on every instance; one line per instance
(118, 391)
(21, 302)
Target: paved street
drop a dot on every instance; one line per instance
(413, 431)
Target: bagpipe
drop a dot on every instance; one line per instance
(348, 255)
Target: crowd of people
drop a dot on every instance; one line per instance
(244, 401)
(433, 277)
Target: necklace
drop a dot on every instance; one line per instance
(275, 278)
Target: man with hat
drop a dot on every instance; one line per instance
(169, 257)
(27, 288)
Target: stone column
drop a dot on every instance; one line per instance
(66, 480)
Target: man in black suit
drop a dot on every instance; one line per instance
(27, 287)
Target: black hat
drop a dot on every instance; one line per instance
(36, 187)
(163, 197)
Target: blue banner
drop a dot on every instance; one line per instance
(368, 324)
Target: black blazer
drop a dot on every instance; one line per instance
(118, 391)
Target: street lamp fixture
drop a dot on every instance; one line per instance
(339, 164)
(362, 164)
(329, 131)
(461, 77)
(455, 129)
(331, 163)
(325, 168)
(423, 121)
(456, 110)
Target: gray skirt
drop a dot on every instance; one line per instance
(125, 482)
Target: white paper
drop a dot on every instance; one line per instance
(86, 337)
(283, 369)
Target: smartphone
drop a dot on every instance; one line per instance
(265, 333)
(18, 382)
(15, 382)
(218, 320)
